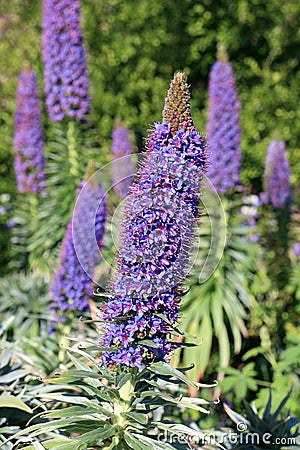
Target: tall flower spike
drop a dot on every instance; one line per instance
(277, 175)
(223, 128)
(177, 110)
(122, 167)
(72, 285)
(29, 160)
(159, 222)
(65, 68)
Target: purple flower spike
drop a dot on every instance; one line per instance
(296, 249)
(223, 128)
(29, 160)
(72, 285)
(122, 167)
(277, 176)
(65, 68)
(157, 231)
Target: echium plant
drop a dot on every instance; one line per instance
(277, 175)
(72, 284)
(118, 386)
(64, 56)
(28, 140)
(223, 127)
(122, 165)
(156, 236)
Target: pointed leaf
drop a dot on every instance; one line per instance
(9, 401)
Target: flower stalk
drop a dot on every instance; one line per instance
(157, 231)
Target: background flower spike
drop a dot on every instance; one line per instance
(29, 161)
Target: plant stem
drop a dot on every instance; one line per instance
(73, 156)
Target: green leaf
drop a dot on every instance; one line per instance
(122, 379)
(72, 411)
(135, 443)
(94, 436)
(138, 417)
(162, 368)
(154, 445)
(194, 403)
(12, 376)
(9, 401)
(53, 444)
(235, 417)
(5, 357)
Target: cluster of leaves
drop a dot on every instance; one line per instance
(110, 409)
(17, 396)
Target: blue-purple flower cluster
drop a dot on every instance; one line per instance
(65, 68)
(223, 128)
(157, 231)
(72, 285)
(122, 167)
(277, 174)
(29, 162)
(296, 250)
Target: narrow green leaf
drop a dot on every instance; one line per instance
(154, 445)
(5, 357)
(9, 401)
(235, 417)
(162, 368)
(138, 417)
(72, 411)
(135, 443)
(12, 376)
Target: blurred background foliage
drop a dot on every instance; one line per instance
(134, 48)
